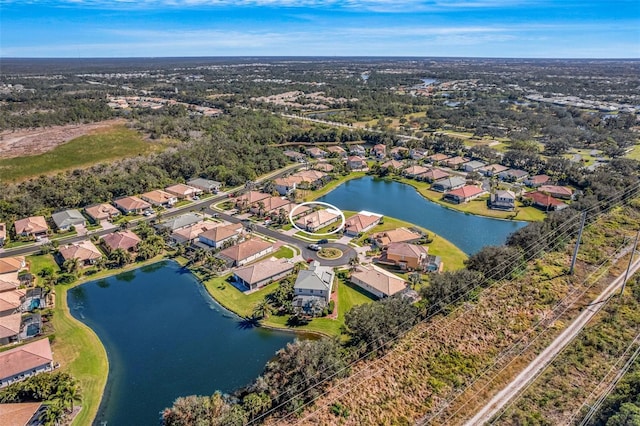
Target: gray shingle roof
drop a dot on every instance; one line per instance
(67, 218)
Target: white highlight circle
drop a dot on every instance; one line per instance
(331, 208)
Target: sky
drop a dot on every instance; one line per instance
(426, 28)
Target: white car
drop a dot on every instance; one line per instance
(315, 247)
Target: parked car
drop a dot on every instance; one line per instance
(323, 241)
(195, 198)
(315, 247)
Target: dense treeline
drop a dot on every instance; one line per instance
(622, 406)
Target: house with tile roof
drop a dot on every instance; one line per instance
(355, 162)
(20, 414)
(191, 233)
(221, 235)
(432, 175)
(133, 205)
(338, 150)
(361, 222)
(392, 164)
(25, 361)
(316, 152)
(377, 281)
(125, 240)
(324, 167)
(503, 200)
(536, 181)
(264, 272)
(101, 212)
(10, 327)
(34, 226)
(12, 264)
(316, 220)
(84, 251)
(66, 219)
(544, 201)
(379, 151)
(448, 184)
(557, 191)
(413, 171)
(492, 169)
(398, 235)
(473, 166)
(159, 197)
(183, 192)
(464, 194)
(455, 162)
(245, 252)
(437, 158)
(405, 256)
(248, 199)
(11, 301)
(268, 205)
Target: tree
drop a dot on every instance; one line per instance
(71, 265)
(496, 262)
(262, 309)
(449, 288)
(414, 279)
(119, 257)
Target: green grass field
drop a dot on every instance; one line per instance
(103, 145)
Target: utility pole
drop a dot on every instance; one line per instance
(575, 250)
(626, 274)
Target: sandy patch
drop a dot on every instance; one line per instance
(24, 142)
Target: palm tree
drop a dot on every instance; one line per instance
(100, 263)
(120, 257)
(353, 263)
(53, 414)
(262, 309)
(414, 279)
(71, 265)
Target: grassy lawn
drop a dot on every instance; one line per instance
(477, 206)
(635, 153)
(100, 146)
(182, 203)
(349, 296)
(284, 252)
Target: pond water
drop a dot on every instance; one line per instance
(470, 233)
(166, 337)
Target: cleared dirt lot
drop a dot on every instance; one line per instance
(26, 142)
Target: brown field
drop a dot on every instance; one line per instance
(25, 142)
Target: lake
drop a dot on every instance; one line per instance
(469, 232)
(166, 337)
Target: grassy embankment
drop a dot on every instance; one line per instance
(76, 346)
(477, 206)
(101, 145)
(437, 360)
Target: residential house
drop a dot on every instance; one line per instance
(286, 185)
(316, 152)
(10, 281)
(21, 414)
(418, 153)
(455, 162)
(159, 197)
(503, 200)
(432, 175)
(545, 201)
(206, 185)
(361, 222)
(392, 164)
(11, 301)
(473, 166)
(312, 289)
(10, 327)
(12, 264)
(398, 235)
(125, 240)
(218, 236)
(183, 192)
(492, 169)
(464, 194)
(3, 234)
(311, 178)
(405, 256)
(262, 273)
(295, 156)
(561, 192)
(324, 167)
(355, 162)
(379, 151)
(338, 150)
(318, 219)
(25, 361)
(399, 152)
(34, 226)
(245, 252)
(84, 251)
(190, 233)
(513, 175)
(66, 219)
(297, 209)
(179, 222)
(437, 158)
(101, 212)
(357, 150)
(413, 171)
(377, 281)
(268, 206)
(250, 198)
(448, 184)
(133, 205)
(536, 181)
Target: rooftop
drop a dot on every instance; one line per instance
(264, 270)
(125, 240)
(83, 250)
(101, 211)
(11, 264)
(68, 218)
(131, 203)
(379, 279)
(220, 233)
(246, 249)
(33, 224)
(24, 358)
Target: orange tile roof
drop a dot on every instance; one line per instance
(83, 251)
(407, 250)
(31, 225)
(18, 414)
(360, 222)
(25, 358)
(220, 233)
(125, 240)
(11, 299)
(9, 281)
(158, 196)
(397, 235)
(245, 249)
(10, 325)
(379, 279)
(11, 264)
(182, 190)
(252, 197)
(466, 191)
(264, 270)
(131, 203)
(102, 211)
